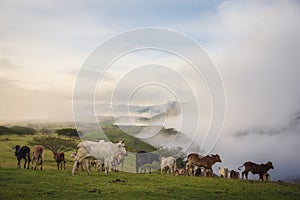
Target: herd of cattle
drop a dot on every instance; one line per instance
(106, 156)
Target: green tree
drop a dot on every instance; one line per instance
(67, 132)
(5, 131)
(21, 130)
(54, 144)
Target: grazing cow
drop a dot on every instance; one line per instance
(143, 158)
(169, 162)
(193, 170)
(106, 152)
(223, 172)
(234, 174)
(59, 157)
(181, 172)
(99, 166)
(206, 161)
(197, 171)
(22, 152)
(75, 157)
(38, 155)
(266, 177)
(207, 172)
(256, 169)
(88, 163)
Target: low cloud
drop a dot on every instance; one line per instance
(293, 127)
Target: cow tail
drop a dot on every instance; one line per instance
(241, 166)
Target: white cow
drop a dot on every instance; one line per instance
(223, 172)
(266, 177)
(107, 152)
(118, 160)
(169, 162)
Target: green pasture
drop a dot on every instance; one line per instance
(51, 183)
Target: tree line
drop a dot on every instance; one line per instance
(22, 130)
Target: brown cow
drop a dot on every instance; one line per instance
(234, 174)
(256, 169)
(206, 161)
(38, 155)
(59, 157)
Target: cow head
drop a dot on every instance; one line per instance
(121, 145)
(270, 165)
(17, 148)
(217, 158)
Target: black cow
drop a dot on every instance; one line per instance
(22, 152)
(143, 158)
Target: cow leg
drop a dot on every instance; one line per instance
(171, 170)
(28, 162)
(36, 164)
(25, 163)
(87, 165)
(19, 165)
(81, 165)
(75, 167)
(211, 174)
(41, 164)
(246, 174)
(33, 158)
(107, 166)
(64, 165)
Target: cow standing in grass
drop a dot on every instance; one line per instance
(59, 157)
(223, 172)
(22, 152)
(168, 164)
(207, 162)
(106, 152)
(256, 169)
(145, 159)
(38, 155)
(234, 174)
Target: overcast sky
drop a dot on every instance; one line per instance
(254, 44)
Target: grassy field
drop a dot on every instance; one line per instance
(54, 184)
